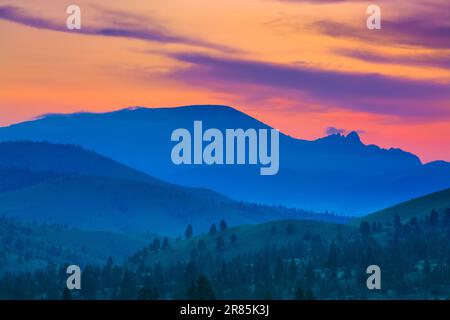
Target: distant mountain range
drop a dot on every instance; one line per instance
(65, 184)
(336, 173)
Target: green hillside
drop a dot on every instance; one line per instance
(27, 247)
(418, 207)
(248, 238)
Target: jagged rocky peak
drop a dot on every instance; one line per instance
(353, 137)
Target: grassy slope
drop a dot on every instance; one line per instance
(255, 237)
(415, 207)
(249, 238)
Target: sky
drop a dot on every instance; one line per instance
(306, 67)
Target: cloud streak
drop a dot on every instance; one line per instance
(413, 31)
(371, 93)
(332, 130)
(433, 60)
(321, 1)
(131, 30)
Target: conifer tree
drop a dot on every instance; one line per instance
(189, 232)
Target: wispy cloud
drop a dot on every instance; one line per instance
(413, 31)
(332, 130)
(134, 28)
(371, 93)
(321, 1)
(434, 60)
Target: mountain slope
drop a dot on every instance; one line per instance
(59, 158)
(25, 162)
(337, 173)
(99, 203)
(81, 188)
(418, 207)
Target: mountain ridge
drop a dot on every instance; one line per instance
(351, 136)
(332, 173)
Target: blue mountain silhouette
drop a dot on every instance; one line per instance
(67, 185)
(338, 173)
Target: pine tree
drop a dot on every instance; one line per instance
(189, 232)
(309, 273)
(397, 221)
(299, 294)
(310, 295)
(127, 286)
(374, 227)
(434, 217)
(148, 294)
(89, 287)
(213, 229)
(156, 244)
(332, 257)
(200, 290)
(293, 269)
(223, 226)
(446, 219)
(220, 243)
(191, 292)
(204, 289)
(66, 294)
(165, 244)
(379, 227)
(364, 228)
(290, 229)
